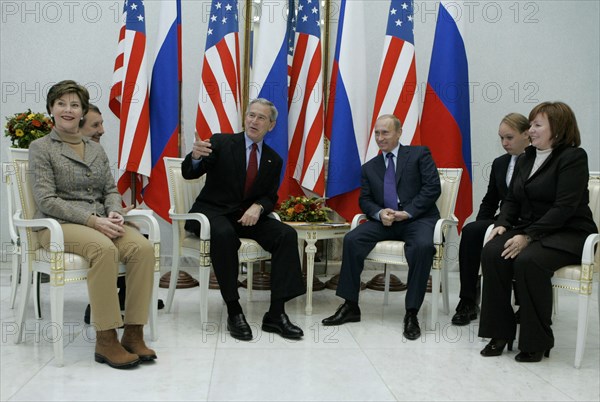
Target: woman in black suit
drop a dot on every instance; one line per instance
(542, 227)
(514, 137)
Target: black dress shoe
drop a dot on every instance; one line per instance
(281, 325)
(412, 330)
(496, 347)
(238, 327)
(465, 312)
(345, 313)
(531, 357)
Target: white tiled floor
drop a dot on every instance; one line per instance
(362, 361)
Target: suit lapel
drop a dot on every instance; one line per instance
(401, 162)
(91, 152)
(239, 157)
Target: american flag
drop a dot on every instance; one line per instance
(291, 29)
(220, 91)
(305, 120)
(397, 88)
(129, 100)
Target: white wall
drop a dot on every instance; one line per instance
(520, 53)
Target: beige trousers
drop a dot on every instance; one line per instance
(104, 255)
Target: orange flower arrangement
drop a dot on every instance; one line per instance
(304, 209)
(23, 128)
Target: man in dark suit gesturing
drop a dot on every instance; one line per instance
(242, 178)
(399, 189)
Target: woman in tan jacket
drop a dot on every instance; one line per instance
(74, 184)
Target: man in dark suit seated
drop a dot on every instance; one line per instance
(399, 189)
(242, 178)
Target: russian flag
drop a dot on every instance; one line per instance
(445, 120)
(347, 125)
(164, 104)
(270, 69)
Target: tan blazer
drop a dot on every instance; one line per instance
(67, 188)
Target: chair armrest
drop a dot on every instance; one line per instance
(274, 215)
(357, 219)
(56, 233)
(440, 225)
(588, 254)
(145, 217)
(197, 216)
(488, 232)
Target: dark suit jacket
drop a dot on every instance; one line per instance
(417, 180)
(552, 204)
(225, 168)
(497, 188)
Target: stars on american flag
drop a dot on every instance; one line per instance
(223, 20)
(401, 21)
(308, 18)
(134, 15)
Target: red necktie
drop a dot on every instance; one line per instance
(252, 169)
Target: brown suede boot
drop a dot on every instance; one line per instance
(133, 341)
(111, 352)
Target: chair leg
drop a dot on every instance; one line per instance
(25, 289)
(554, 301)
(386, 286)
(249, 278)
(37, 281)
(204, 279)
(57, 303)
(582, 318)
(435, 295)
(173, 279)
(445, 290)
(14, 279)
(153, 319)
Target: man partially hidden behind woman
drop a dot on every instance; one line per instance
(73, 183)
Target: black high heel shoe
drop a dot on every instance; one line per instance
(531, 357)
(496, 347)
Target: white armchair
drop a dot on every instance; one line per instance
(580, 278)
(182, 194)
(64, 268)
(392, 251)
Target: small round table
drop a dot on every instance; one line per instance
(310, 233)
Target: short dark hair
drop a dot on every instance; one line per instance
(563, 123)
(66, 87)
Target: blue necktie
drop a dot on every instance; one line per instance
(390, 196)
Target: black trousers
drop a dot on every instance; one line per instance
(532, 269)
(469, 257)
(358, 243)
(274, 236)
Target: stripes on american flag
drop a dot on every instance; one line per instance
(397, 88)
(306, 116)
(219, 100)
(129, 99)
